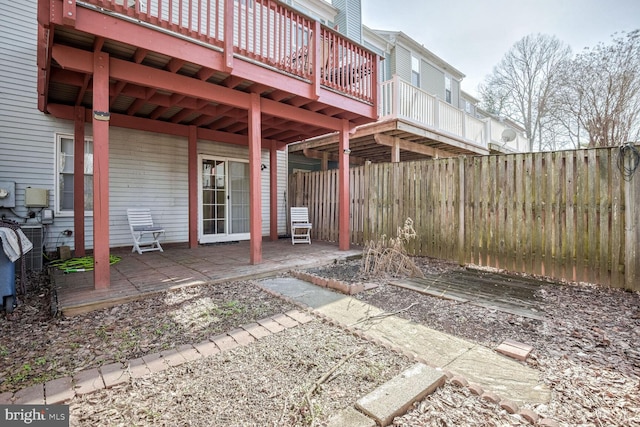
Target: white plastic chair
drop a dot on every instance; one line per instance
(142, 227)
(300, 225)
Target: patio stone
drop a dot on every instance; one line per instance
(299, 316)
(58, 391)
(224, 342)
(6, 398)
(256, 330)
(285, 321)
(394, 397)
(189, 352)
(154, 362)
(87, 381)
(241, 336)
(138, 368)
(207, 348)
(33, 395)
(172, 357)
(515, 349)
(114, 374)
(270, 324)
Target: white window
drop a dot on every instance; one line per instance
(415, 71)
(447, 89)
(66, 174)
(467, 107)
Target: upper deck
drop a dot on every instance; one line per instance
(196, 63)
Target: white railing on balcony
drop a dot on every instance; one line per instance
(399, 99)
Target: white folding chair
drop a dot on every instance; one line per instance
(142, 228)
(300, 225)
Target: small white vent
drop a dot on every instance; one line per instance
(33, 258)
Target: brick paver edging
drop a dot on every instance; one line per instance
(458, 380)
(63, 390)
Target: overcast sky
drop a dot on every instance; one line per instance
(474, 35)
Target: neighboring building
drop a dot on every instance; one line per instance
(423, 111)
(176, 105)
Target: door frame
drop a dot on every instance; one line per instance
(223, 237)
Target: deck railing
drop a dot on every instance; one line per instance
(399, 99)
(267, 32)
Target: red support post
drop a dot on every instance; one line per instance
(78, 182)
(273, 191)
(101, 116)
(343, 191)
(255, 196)
(229, 6)
(193, 186)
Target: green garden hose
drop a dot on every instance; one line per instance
(75, 265)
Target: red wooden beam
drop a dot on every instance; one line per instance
(78, 181)
(273, 192)
(228, 34)
(101, 273)
(343, 191)
(69, 12)
(193, 186)
(255, 197)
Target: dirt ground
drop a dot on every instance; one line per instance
(587, 350)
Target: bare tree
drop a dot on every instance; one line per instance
(522, 84)
(602, 91)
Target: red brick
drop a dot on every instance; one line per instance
(224, 342)
(172, 357)
(299, 316)
(137, 368)
(154, 362)
(529, 415)
(356, 288)
(6, 398)
(476, 389)
(58, 391)
(271, 325)
(256, 330)
(459, 381)
(114, 374)
(490, 397)
(285, 321)
(509, 406)
(241, 336)
(189, 352)
(207, 348)
(33, 395)
(87, 381)
(514, 349)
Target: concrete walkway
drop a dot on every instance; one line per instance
(501, 375)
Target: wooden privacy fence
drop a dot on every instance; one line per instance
(568, 214)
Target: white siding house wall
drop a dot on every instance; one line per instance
(145, 169)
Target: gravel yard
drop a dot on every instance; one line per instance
(586, 350)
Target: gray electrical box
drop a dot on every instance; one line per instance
(36, 197)
(7, 194)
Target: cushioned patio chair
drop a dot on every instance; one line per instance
(145, 234)
(300, 225)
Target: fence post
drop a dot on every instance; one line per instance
(461, 210)
(632, 231)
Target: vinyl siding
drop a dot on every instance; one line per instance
(146, 169)
(402, 63)
(433, 80)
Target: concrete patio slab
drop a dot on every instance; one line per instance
(350, 417)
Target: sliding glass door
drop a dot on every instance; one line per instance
(224, 200)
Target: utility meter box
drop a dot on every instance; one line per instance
(7, 194)
(36, 197)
